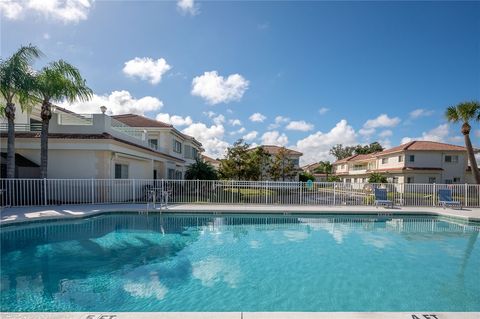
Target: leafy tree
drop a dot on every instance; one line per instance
(324, 167)
(282, 167)
(16, 84)
(340, 152)
(257, 164)
(56, 82)
(377, 178)
(465, 112)
(368, 149)
(234, 165)
(201, 170)
(305, 176)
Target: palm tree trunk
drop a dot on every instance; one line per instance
(46, 116)
(471, 158)
(10, 114)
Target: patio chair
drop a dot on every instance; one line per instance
(381, 198)
(445, 198)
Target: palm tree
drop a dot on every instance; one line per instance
(16, 82)
(465, 112)
(56, 82)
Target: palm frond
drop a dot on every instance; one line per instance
(451, 114)
(467, 111)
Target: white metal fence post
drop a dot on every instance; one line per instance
(45, 191)
(334, 193)
(92, 191)
(133, 190)
(466, 195)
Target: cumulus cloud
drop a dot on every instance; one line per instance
(257, 117)
(215, 89)
(118, 102)
(323, 110)
(239, 131)
(274, 138)
(383, 120)
(420, 113)
(147, 69)
(67, 11)
(188, 7)
(279, 120)
(250, 136)
(437, 134)
(175, 120)
(385, 133)
(235, 122)
(299, 126)
(210, 137)
(316, 147)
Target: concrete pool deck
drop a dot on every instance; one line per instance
(14, 215)
(241, 315)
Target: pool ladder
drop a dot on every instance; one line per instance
(163, 199)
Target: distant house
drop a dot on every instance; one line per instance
(103, 146)
(215, 163)
(292, 156)
(311, 168)
(413, 162)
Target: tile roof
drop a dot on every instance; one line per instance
(209, 159)
(103, 136)
(273, 150)
(135, 120)
(423, 146)
(359, 157)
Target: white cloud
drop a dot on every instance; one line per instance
(235, 122)
(274, 138)
(323, 110)
(210, 137)
(67, 11)
(257, 117)
(419, 113)
(299, 126)
(385, 133)
(188, 7)
(383, 120)
(147, 69)
(316, 147)
(215, 89)
(437, 134)
(46, 36)
(250, 136)
(279, 120)
(175, 120)
(118, 102)
(239, 131)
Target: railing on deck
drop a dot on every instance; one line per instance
(28, 192)
(32, 127)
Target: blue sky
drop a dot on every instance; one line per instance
(317, 73)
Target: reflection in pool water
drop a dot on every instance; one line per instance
(133, 262)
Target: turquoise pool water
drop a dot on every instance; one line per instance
(134, 262)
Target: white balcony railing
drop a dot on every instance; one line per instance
(28, 192)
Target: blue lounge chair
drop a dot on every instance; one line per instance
(445, 198)
(381, 198)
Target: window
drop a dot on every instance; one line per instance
(448, 181)
(153, 143)
(171, 173)
(395, 180)
(121, 171)
(190, 152)
(451, 158)
(456, 179)
(410, 180)
(432, 180)
(178, 175)
(295, 162)
(400, 158)
(154, 174)
(385, 160)
(177, 146)
(343, 166)
(411, 158)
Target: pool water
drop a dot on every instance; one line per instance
(136, 262)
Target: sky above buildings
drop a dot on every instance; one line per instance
(306, 75)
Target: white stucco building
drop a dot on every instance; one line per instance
(413, 162)
(102, 146)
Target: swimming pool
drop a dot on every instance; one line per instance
(181, 262)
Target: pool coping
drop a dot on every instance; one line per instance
(24, 215)
(240, 315)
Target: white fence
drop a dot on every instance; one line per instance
(28, 192)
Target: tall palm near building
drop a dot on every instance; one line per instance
(56, 82)
(464, 113)
(16, 84)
